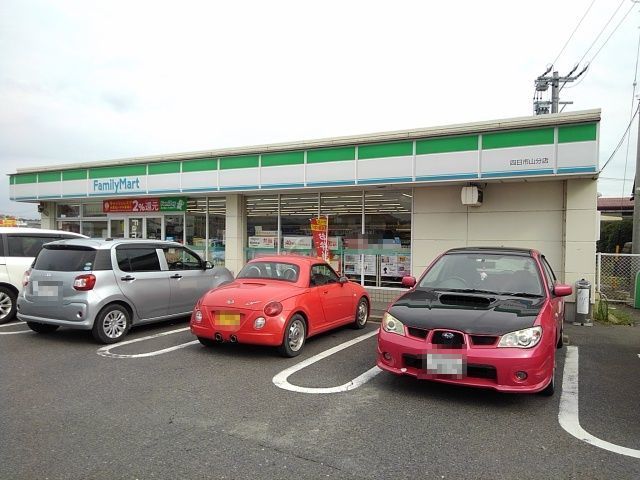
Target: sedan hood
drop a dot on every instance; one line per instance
(250, 294)
(487, 314)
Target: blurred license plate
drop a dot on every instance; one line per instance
(227, 318)
(50, 291)
(446, 364)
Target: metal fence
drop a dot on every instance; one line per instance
(615, 275)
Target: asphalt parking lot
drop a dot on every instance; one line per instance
(162, 406)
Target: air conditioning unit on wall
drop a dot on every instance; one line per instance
(471, 196)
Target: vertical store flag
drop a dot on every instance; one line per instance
(320, 232)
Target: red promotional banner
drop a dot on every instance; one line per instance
(320, 232)
(131, 205)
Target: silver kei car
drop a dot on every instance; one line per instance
(107, 286)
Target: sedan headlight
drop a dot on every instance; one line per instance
(392, 325)
(527, 338)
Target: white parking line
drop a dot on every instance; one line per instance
(280, 380)
(14, 324)
(568, 414)
(106, 350)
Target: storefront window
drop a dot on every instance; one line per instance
(344, 212)
(92, 210)
(262, 225)
(217, 235)
(94, 229)
(196, 225)
(388, 234)
(174, 228)
(67, 210)
(296, 212)
(69, 226)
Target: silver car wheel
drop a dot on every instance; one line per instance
(114, 324)
(363, 313)
(6, 304)
(295, 336)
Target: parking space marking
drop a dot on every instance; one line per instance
(280, 380)
(568, 414)
(106, 350)
(14, 324)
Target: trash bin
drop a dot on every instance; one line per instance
(583, 303)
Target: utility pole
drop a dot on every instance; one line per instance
(557, 83)
(636, 198)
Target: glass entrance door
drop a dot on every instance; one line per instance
(116, 228)
(135, 227)
(153, 228)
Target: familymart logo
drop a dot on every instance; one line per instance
(117, 185)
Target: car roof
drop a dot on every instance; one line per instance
(100, 243)
(27, 230)
(527, 252)
(295, 259)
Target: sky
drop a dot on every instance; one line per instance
(85, 80)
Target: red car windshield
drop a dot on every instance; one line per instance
(287, 272)
(494, 273)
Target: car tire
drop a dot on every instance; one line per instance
(112, 324)
(294, 337)
(207, 342)
(42, 327)
(7, 305)
(362, 314)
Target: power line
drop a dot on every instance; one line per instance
(573, 33)
(614, 31)
(621, 140)
(601, 32)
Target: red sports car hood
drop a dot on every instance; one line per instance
(251, 294)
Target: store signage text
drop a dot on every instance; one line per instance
(529, 161)
(126, 205)
(117, 185)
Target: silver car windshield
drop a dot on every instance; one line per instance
(494, 273)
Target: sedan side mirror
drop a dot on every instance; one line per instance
(562, 290)
(343, 280)
(409, 282)
(208, 265)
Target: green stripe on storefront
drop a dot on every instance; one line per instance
(246, 161)
(74, 175)
(26, 178)
(283, 158)
(49, 177)
(161, 168)
(200, 165)
(124, 171)
(382, 150)
(447, 145)
(577, 133)
(523, 138)
(12, 180)
(337, 154)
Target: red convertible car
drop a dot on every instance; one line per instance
(279, 301)
(483, 317)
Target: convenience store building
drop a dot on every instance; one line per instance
(393, 200)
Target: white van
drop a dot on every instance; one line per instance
(18, 247)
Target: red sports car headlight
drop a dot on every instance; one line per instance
(272, 309)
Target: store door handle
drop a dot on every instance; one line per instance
(177, 275)
(127, 278)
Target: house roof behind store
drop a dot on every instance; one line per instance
(616, 204)
(442, 131)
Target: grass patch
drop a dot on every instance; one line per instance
(611, 315)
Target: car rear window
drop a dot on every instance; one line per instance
(67, 259)
(271, 270)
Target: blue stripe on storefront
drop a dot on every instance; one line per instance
(200, 189)
(331, 184)
(123, 194)
(384, 180)
(576, 169)
(240, 187)
(167, 190)
(459, 176)
(521, 173)
(49, 196)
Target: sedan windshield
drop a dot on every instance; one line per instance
(270, 270)
(482, 272)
